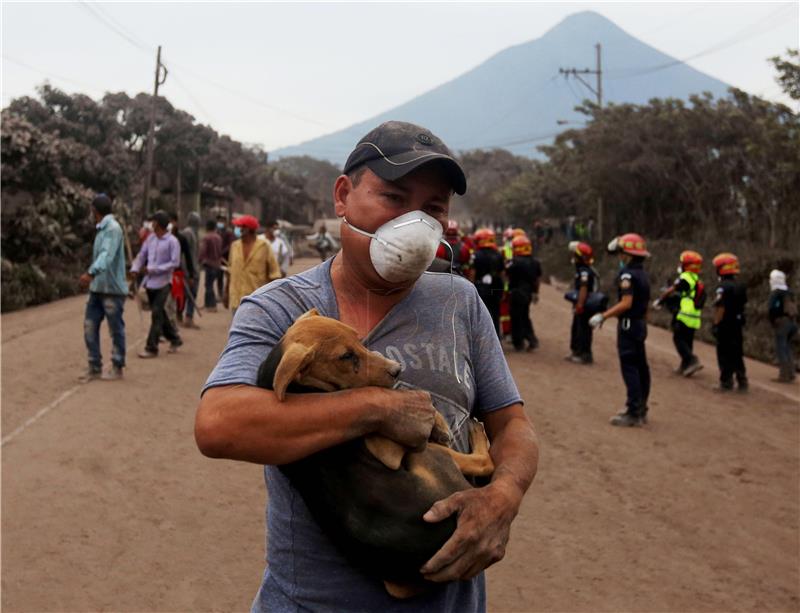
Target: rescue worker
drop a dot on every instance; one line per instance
(524, 273)
(488, 266)
(631, 310)
(459, 251)
(782, 311)
(688, 317)
(729, 320)
(586, 282)
(508, 236)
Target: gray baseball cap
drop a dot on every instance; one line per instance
(395, 148)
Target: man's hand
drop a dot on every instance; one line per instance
(85, 280)
(578, 309)
(409, 417)
(143, 272)
(484, 521)
(596, 320)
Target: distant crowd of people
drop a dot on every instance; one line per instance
(165, 275)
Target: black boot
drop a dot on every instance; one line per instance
(628, 419)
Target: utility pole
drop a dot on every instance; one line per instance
(159, 80)
(598, 92)
(598, 72)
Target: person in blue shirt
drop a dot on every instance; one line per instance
(633, 288)
(108, 288)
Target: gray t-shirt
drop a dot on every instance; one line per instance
(304, 571)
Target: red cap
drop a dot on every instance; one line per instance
(246, 221)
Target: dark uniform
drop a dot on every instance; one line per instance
(631, 333)
(580, 340)
(731, 295)
(488, 266)
(524, 273)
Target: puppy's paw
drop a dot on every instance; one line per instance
(441, 432)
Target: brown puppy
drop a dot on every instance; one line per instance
(369, 495)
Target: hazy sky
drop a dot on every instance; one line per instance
(280, 73)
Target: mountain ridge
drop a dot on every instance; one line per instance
(514, 98)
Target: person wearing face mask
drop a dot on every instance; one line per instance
(251, 262)
(158, 258)
(782, 310)
(393, 200)
(634, 297)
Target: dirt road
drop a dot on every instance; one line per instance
(108, 505)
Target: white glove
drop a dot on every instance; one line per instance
(657, 304)
(596, 320)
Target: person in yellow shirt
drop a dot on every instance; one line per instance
(251, 262)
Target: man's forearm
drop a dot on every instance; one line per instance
(514, 451)
(242, 422)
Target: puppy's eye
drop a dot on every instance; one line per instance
(348, 355)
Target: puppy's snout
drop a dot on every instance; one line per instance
(392, 367)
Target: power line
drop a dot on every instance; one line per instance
(130, 35)
(49, 75)
(186, 91)
(248, 97)
(107, 22)
(749, 31)
(540, 91)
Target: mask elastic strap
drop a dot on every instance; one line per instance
(364, 232)
(455, 305)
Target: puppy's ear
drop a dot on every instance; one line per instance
(310, 313)
(294, 360)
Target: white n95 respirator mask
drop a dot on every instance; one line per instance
(403, 248)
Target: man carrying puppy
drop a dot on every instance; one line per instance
(393, 199)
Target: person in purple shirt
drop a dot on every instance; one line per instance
(159, 257)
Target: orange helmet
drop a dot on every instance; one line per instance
(691, 261)
(452, 228)
(485, 238)
(518, 232)
(632, 244)
(582, 251)
(521, 245)
(726, 264)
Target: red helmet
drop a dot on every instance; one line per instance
(691, 261)
(485, 238)
(521, 245)
(452, 228)
(726, 264)
(632, 244)
(582, 251)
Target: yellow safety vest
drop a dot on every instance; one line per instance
(689, 314)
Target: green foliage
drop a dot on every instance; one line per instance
(318, 177)
(60, 149)
(669, 168)
(788, 72)
(487, 172)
